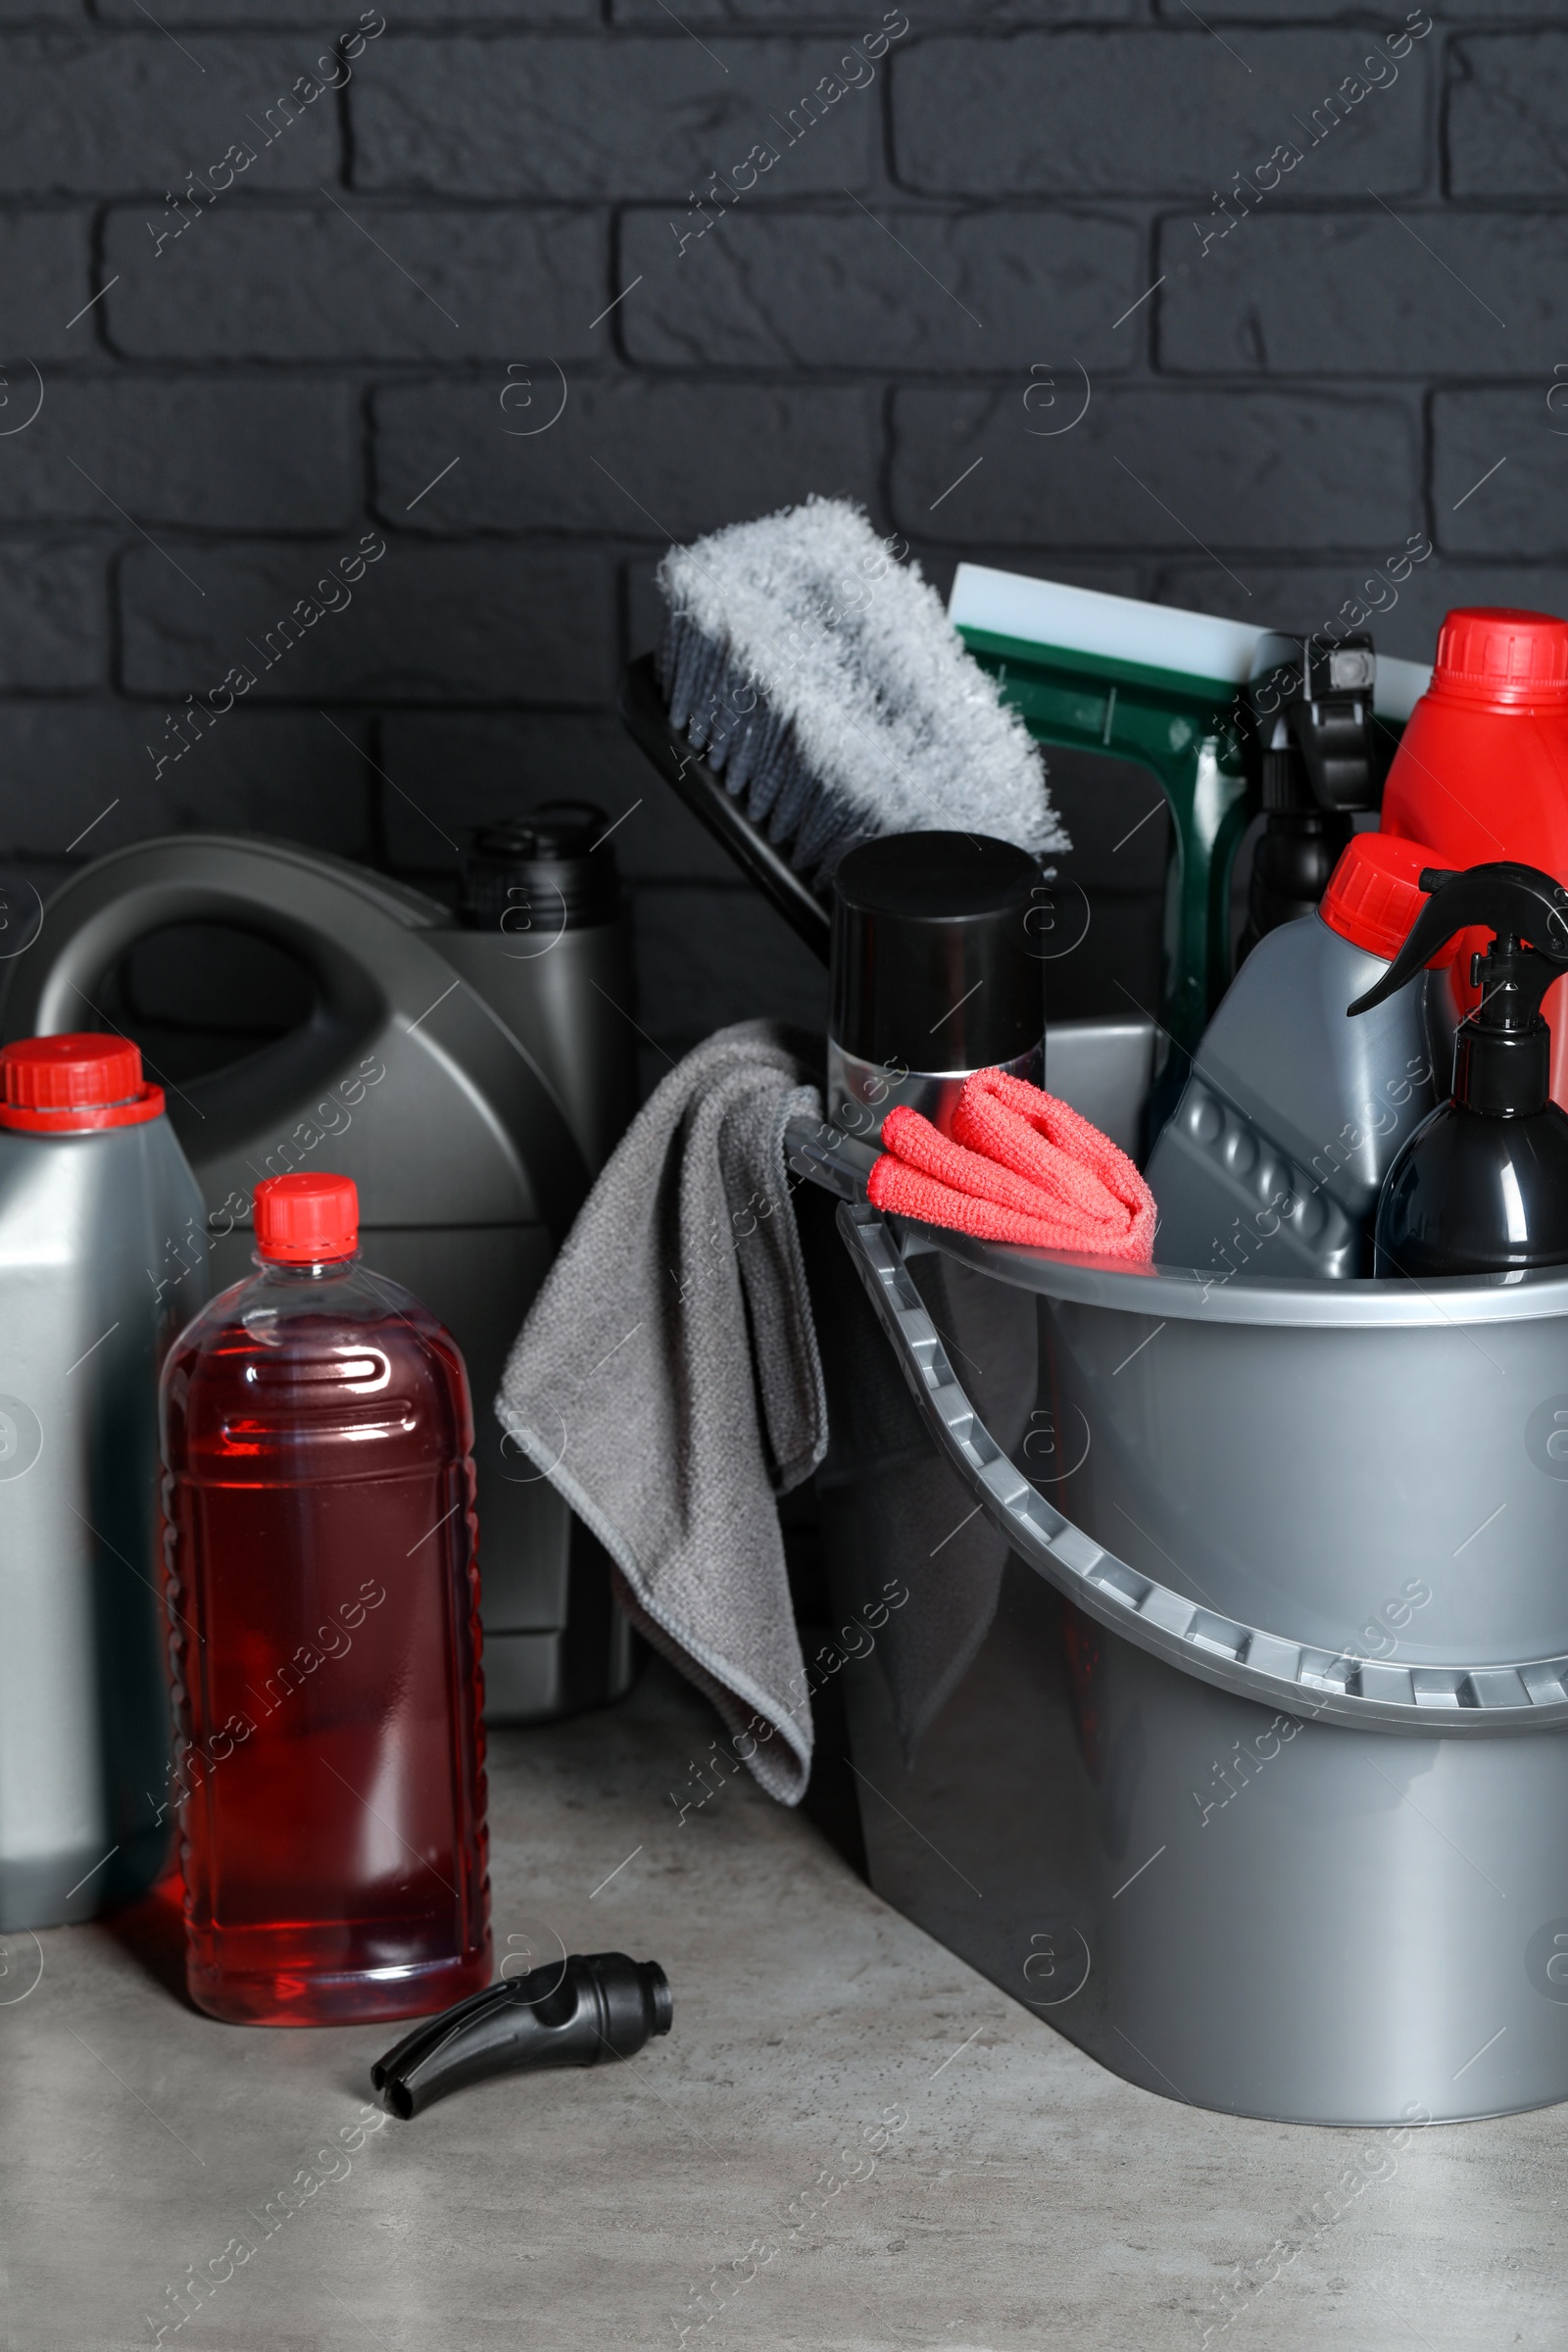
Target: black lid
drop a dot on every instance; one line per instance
(550, 870)
(1502, 1048)
(932, 962)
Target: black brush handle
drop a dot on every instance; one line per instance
(599, 2005)
(646, 718)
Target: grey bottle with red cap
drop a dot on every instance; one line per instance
(1275, 1155)
(102, 1258)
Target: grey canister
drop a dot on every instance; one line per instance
(1293, 1113)
(103, 1257)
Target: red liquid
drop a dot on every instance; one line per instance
(322, 1585)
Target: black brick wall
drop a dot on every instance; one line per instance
(323, 350)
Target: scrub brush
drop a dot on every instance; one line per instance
(824, 683)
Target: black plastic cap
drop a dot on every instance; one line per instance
(933, 957)
(549, 871)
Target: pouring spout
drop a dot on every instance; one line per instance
(596, 2006)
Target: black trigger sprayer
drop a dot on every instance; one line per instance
(1482, 1186)
(1309, 703)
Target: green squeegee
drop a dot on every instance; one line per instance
(1161, 686)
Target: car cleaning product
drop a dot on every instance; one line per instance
(544, 936)
(324, 1590)
(469, 1077)
(575, 2011)
(100, 1264)
(1482, 772)
(1482, 1186)
(936, 973)
(1310, 705)
(1275, 1155)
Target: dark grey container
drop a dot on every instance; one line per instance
(1256, 1787)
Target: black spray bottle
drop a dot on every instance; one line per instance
(1482, 1186)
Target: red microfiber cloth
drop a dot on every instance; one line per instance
(1019, 1166)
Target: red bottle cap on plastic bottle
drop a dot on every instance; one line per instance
(1374, 894)
(303, 1219)
(69, 1084)
(1494, 654)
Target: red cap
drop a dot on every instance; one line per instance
(302, 1219)
(1374, 894)
(1494, 654)
(67, 1085)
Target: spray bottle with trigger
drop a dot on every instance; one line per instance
(1310, 706)
(1482, 1186)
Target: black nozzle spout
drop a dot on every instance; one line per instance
(591, 2007)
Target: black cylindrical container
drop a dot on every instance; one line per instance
(935, 973)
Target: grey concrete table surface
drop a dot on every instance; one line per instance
(849, 2141)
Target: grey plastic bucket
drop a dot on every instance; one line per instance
(1257, 1786)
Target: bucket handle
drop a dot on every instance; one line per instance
(1324, 1686)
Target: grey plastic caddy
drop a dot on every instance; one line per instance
(1257, 1786)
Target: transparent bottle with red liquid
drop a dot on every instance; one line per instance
(322, 1590)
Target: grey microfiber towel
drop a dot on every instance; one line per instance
(666, 1381)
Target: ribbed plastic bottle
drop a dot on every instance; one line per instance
(322, 1589)
(1274, 1156)
(1481, 773)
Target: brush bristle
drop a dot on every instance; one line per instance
(824, 682)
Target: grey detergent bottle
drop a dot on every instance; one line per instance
(1276, 1152)
(102, 1260)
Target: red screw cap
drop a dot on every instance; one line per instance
(69, 1084)
(1494, 654)
(1374, 894)
(300, 1220)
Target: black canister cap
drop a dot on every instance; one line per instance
(931, 952)
(550, 867)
